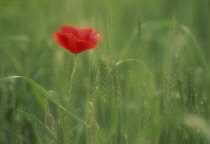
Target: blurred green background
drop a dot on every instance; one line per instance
(147, 81)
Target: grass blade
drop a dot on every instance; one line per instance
(36, 121)
(41, 89)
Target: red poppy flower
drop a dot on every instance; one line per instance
(76, 40)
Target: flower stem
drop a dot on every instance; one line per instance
(72, 75)
(68, 101)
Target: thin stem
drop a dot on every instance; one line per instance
(68, 98)
(68, 118)
(72, 75)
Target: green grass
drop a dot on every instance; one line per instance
(147, 82)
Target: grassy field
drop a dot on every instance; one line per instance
(147, 82)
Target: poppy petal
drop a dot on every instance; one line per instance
(84, 34)
(67, 40)
(69, 29)
(82, 45)
(94, 37)
(61, 39)
(75, 39)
